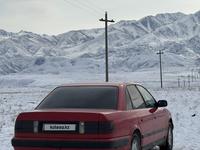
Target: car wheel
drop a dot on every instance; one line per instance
(169, 142)
(136, 142)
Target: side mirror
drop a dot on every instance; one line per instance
(162, 103)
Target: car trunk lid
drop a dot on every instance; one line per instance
(63, 123)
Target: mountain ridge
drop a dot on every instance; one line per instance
(177, 34)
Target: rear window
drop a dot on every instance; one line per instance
(94, 97)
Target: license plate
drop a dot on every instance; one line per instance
(59, 127)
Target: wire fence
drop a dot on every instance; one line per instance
(181, 82)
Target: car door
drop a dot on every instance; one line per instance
(145, 117)
(159, 113)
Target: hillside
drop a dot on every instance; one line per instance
(132, 46)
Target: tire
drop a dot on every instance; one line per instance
(136, 142)
(169, 141)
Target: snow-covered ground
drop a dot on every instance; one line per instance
(22, 92)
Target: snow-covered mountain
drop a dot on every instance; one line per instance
(132, 46)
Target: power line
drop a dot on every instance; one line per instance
(73, 3)
(81, 7)
(96, 6)
(84, 3)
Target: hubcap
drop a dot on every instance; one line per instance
(135, 144)
(170, 138)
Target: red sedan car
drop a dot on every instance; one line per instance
(108, 116)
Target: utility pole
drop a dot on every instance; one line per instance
(179, 85)
(184, 83)
(188, 81)
(192, 71)
(160, 58)
(106, 42)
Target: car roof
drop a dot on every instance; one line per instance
(99, 84)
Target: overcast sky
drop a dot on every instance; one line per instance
(59, 16)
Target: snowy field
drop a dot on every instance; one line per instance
(22, 92)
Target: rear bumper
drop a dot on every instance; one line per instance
(21, 144)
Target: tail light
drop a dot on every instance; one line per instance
(24, 126)
(106, 127)
(82, 127)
